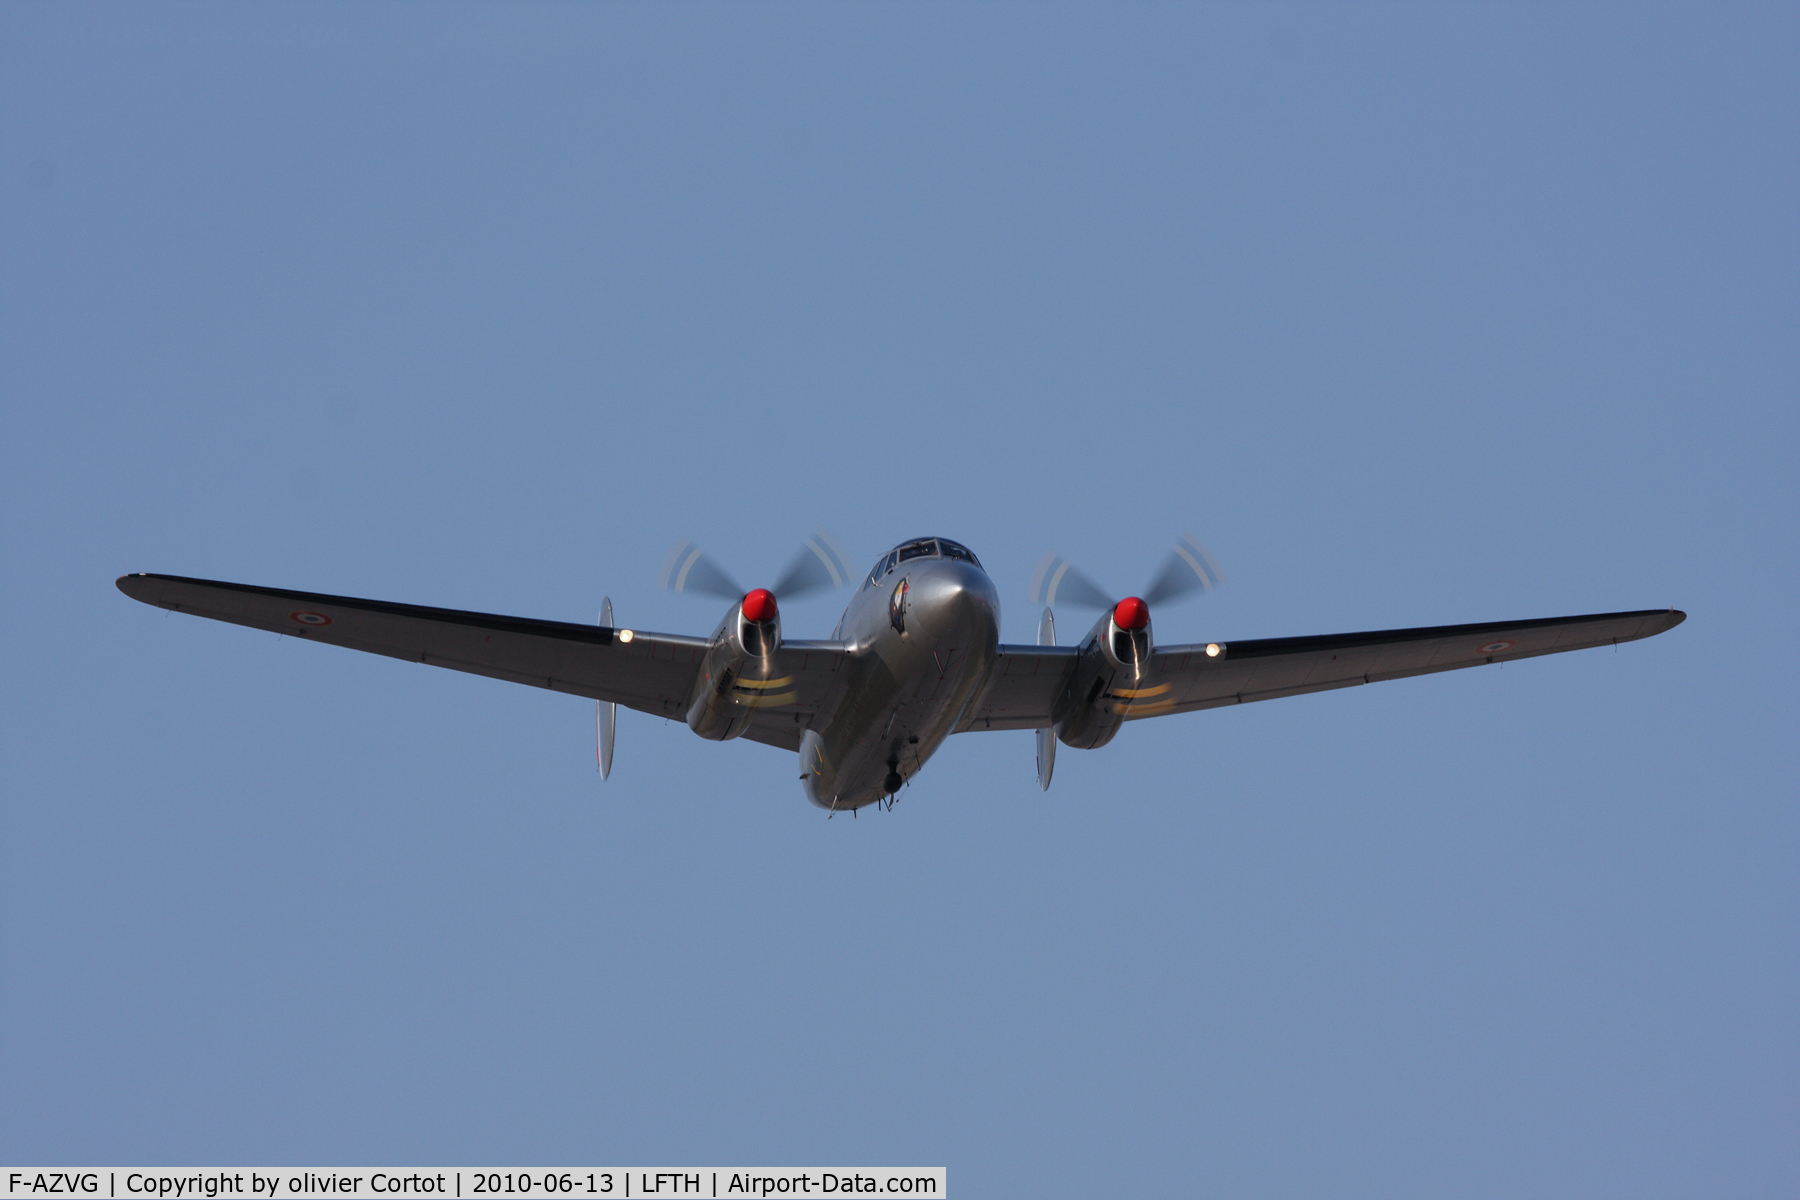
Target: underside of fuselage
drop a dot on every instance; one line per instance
(921, 637)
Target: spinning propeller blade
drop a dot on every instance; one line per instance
(819, 564)
(1046, 737)
(690, 569)
(1189, 568)
(606, 715)
(1057, 576)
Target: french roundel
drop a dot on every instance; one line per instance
(310, 618)
(1496, 647)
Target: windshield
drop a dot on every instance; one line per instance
(950, 549)
(925, 548)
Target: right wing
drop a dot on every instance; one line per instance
(652, 672)
(1270, 668)
(1028, 680)
(1025, 684)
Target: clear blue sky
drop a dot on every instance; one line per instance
(1414, 314)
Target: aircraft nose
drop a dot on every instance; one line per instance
(954, 600)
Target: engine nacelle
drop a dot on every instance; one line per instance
(1111, 675)
(738, 674)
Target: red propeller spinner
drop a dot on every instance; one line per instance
(1131, 614)
(759, 605)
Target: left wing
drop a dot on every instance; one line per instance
(1186, 678)
(650, 672)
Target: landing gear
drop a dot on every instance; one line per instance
(893, 783)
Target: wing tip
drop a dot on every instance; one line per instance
(1658, 620)
(143, 587)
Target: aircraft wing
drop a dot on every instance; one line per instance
(652, 673)
(814, 666)
(1186, 678)
(1026, 682)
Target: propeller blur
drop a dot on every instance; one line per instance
(1189, 569)
(818, 565)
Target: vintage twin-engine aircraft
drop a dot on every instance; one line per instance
(915, 657)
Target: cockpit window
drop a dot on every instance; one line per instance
(880, 568)
(925, 549)
(950, 549)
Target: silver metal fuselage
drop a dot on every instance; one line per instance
(920, 639)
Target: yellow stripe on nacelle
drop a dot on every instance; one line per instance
(763, 699)
(1132, 712)
(1139, 693)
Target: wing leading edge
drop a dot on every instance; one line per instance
(1030, 677)
(650, 672)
